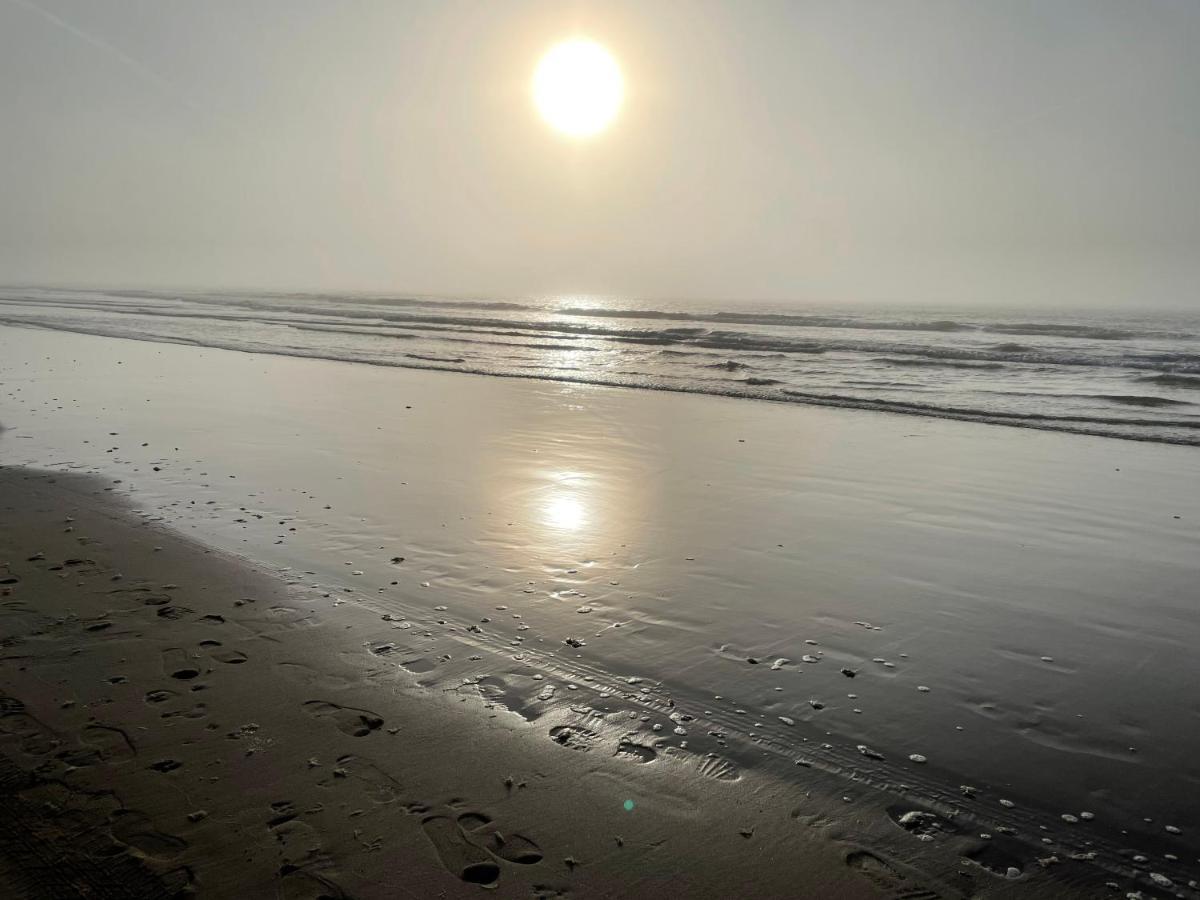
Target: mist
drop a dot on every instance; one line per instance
(1017, 153)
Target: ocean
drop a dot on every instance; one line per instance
(1127, 375)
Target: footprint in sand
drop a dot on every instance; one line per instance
(496, 691)
(419, 666)
(921, 823)
(460, 856)
(179, 882)
(34, 738)
(378, 785)
(136, 830)
(354, 722)
(11, 706)
(816, 820)
(305, 883)
(999, 857)
(298, 844)
(887, 877)
(222, 654)
(287, 618)
(178, 664)
(636, 752)
(514, 848)
(492, 688)
(472, 821)
(573, 737)
(199, 711)
(719, 768)
(305, 869)
(111, 743)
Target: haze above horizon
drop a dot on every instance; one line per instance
(918, 152)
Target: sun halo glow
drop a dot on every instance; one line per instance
(578, 88)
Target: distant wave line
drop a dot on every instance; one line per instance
(1065, 423)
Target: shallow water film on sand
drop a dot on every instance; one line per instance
(992, 628)
(1134, 375)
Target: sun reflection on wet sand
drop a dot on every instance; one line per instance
(565, 512)
(566, 509)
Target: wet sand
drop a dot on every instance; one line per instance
(173, 721)
(969, 649)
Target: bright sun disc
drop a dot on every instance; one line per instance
(578, 87)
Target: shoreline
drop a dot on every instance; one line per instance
(790, 398)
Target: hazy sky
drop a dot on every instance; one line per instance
(1033, 152)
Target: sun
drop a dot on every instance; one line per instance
(577, 88)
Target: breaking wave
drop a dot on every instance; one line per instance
(1061, 375)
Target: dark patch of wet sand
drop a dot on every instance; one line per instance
(209, 769)
(222, 752)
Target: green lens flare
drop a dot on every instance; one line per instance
(628, 806)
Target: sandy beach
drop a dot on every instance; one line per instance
(625, 449)
(175, 722)
(563, 644)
